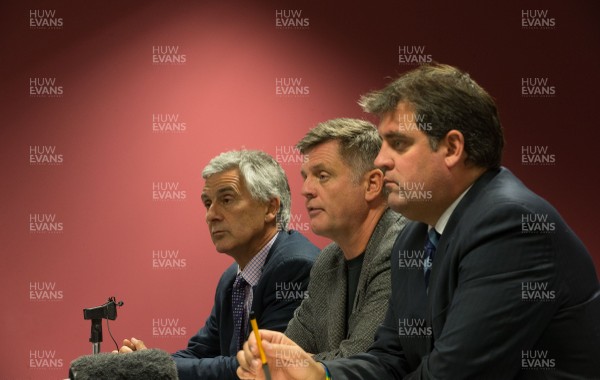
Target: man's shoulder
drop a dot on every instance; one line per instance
(503, 193)
(385, 234)
(502, 210)
(330, 257)
(292, 246)
(390, 225)
(229, 273)
(226, 279)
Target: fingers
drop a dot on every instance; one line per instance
(138, 344)
(250, 354)
(124, 350)
(245, 375)
(271, 337)
(132, 345)
(248, 359)
(286, 359)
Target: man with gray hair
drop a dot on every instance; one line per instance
(247, 200)
(350, 281)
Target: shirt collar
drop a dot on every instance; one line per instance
(443, 220)
(252, 271)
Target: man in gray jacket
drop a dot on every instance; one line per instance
(350, 281)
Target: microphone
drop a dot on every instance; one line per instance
(150, 364)
(96, 314)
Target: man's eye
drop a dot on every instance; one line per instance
(398, 144)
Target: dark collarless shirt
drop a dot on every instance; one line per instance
(353, 268)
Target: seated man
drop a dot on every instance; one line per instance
(505, 297)
(350, 282)
(247, 200)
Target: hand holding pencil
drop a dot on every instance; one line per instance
(261, 351)
(271, 355)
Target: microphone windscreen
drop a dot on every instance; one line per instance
(152, 364)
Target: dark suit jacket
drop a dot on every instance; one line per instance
(509, 298)
(211, 352)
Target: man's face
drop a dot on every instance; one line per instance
(334, 201)
(236, 221)
(414, 173)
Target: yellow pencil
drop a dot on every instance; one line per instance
(263, 357)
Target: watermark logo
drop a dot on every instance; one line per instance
(44, 155)
(537, 359)
(44, 19)
(291, 87)
(167, 328)
(296, 223)
(45, 223)
(290, 358)
(168, 123)
(44, 291)
(413, 328)
(168, 55)
(537, 88)
(413, 259)
(537, 291)
(291, 19)
(290, 291)
(44, 359)
(289, 154)
(413, 54)
(168, 191)
(167, 259)
(414, 191)
(537, 19)
(537, 155)
(45, 88)
(537, 223)
(412, 122)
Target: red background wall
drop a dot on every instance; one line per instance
(84, 162)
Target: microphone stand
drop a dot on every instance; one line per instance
(96, 335)
(96, 314)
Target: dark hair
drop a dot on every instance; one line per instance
(445, 98)
(358, 140)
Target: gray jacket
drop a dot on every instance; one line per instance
(319, 323)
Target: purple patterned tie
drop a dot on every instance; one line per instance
(430, 247)
(238, 303)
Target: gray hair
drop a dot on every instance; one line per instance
(446, 98)
(358, 140)
(264, 177)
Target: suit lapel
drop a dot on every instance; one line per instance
(370, 253)
(439, 272)
(455, 219)
(411, 306)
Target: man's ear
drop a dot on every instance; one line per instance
(373, 184)
(454, 143)
(272, 210)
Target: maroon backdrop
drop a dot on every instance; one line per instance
(111, 109)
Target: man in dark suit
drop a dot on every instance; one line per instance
(247, 200)
(512, 292)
